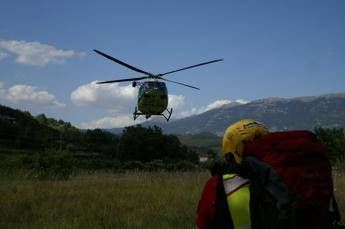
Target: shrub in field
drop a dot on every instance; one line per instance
(133, 165)
(116, 164)
(9, 162)
(155, 165)
(53, 165)
(185, 166)
(334, 140)
(170, 166)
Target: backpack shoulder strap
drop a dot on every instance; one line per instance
(222, 216)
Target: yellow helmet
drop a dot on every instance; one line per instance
(241, 132)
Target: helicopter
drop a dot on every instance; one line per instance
(153, 94)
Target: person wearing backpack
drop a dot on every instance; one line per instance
(273, 180)
(225, 200)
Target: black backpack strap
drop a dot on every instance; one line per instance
(222, 216)
(334, 215)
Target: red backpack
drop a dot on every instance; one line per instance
(291, 182)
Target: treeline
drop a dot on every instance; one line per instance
(45, 144)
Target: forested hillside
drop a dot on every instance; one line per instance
(27, 141)
(45, 143)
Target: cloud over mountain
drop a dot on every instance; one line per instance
(215, 104)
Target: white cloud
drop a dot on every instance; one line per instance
(3, 55)
(241, 101)
(113, 97)
(110, 122)
(118, 101)
(86, 96)
(176, 101)
(215, 104)
(199, 110)
(35, 53)
(28, 95)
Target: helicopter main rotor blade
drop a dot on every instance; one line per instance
(179, 83)
(193, 66)
(121, 62)
(123, 80)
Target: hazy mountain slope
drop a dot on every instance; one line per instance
(276, 113)
(204, 139)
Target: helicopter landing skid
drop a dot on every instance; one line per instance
(136, 114)
(169, 112)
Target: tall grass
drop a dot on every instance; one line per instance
(103, 200)
(106, 200)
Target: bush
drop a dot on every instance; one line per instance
(133, 165)
(185, 166)
(155, 165)
(53, 165)
(170, 166)
(116, 165)
(334, 140)
(11, 162)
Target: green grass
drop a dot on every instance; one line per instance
(106, 200)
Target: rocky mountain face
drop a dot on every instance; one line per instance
(326, 111)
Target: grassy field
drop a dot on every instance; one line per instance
(105, 200)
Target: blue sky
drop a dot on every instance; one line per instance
(270, 48)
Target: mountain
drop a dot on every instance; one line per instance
(326, 111)
(202, 140)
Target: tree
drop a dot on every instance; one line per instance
(148, 144)
(334, 141)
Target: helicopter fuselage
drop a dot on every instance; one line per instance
(152, 97)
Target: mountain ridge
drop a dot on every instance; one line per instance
(303, 112)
